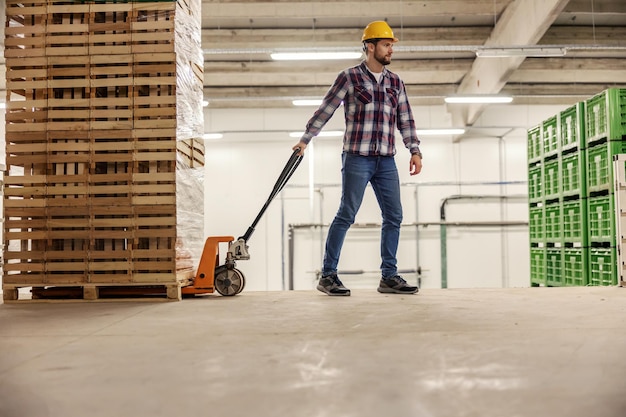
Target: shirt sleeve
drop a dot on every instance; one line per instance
(406, 123)
(332, 100)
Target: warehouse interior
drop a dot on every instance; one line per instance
(489, 334)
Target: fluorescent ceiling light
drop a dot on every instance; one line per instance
(209, 136)
(439, 132)
(322, 134)
(316, 102)
(521, 51)
(304, 56)
(479, 99)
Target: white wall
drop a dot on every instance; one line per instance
(241, 170)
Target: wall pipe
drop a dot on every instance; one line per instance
(293, 227)
(443, 240)
(319, 189)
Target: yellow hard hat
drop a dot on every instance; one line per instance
(378, 30)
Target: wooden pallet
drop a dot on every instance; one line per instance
(25, 28)
(92, 293)
(92, 142)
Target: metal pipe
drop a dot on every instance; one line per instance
(282, 240)
(443, 229)
(529, 49)
(418, 224)
(363, 271)
(504, 244)
(319, 188)
(417, 237)
(421, 184)
(291, 252)
(294, 226)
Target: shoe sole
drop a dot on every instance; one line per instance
(394, 291)
(322, 289)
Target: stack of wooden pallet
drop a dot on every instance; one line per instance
(103, 126)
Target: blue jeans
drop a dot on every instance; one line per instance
(382, 173)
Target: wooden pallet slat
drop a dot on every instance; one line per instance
(147, 291)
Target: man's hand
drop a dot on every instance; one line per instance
(301, 146)
(415, 164)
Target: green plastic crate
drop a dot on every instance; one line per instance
(574, 220)
(552, 223)
(600, 165)
(602, 266)
(601, 214)
(552, 179)
(573, 174)
(549, 136)
(575, 266)
(535, 183)
(605, 115)
(554, 267)
(535, 147)
(535, 224)
(571, 129)
(537, 266)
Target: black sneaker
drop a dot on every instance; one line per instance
(332, 286)
(396, 285)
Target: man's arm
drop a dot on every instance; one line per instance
(406, 126)
(332, 100)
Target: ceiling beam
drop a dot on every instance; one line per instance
(537, 93)
(281, 74)
(586, 6)
(570, 71)
(255, 96)
(264, 39)
(252, 13)
(251, 40)
(523, 22)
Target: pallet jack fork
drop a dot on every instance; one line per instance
(226, 278)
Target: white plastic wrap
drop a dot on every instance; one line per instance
(189, 70)
(189, 215)
(190, 126)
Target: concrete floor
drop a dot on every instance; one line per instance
(503, 353)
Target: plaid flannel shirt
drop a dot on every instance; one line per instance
(372, 112)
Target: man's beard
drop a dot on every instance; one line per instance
(383, 60)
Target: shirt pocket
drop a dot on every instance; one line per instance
(391, 97)
(362, 94)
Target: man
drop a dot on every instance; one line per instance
(375, 103)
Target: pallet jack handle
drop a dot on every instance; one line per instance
(288, 170)
(227, 279)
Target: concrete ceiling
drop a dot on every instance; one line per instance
(436, 55)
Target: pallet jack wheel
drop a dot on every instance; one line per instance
(229, 281)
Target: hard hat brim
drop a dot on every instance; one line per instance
(393, 39)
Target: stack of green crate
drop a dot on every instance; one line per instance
(557, 204)
(574, 192)
(536, 207)
(573, 234)
(605, 117)
(552, 201)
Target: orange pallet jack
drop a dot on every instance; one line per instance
(227, 279)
